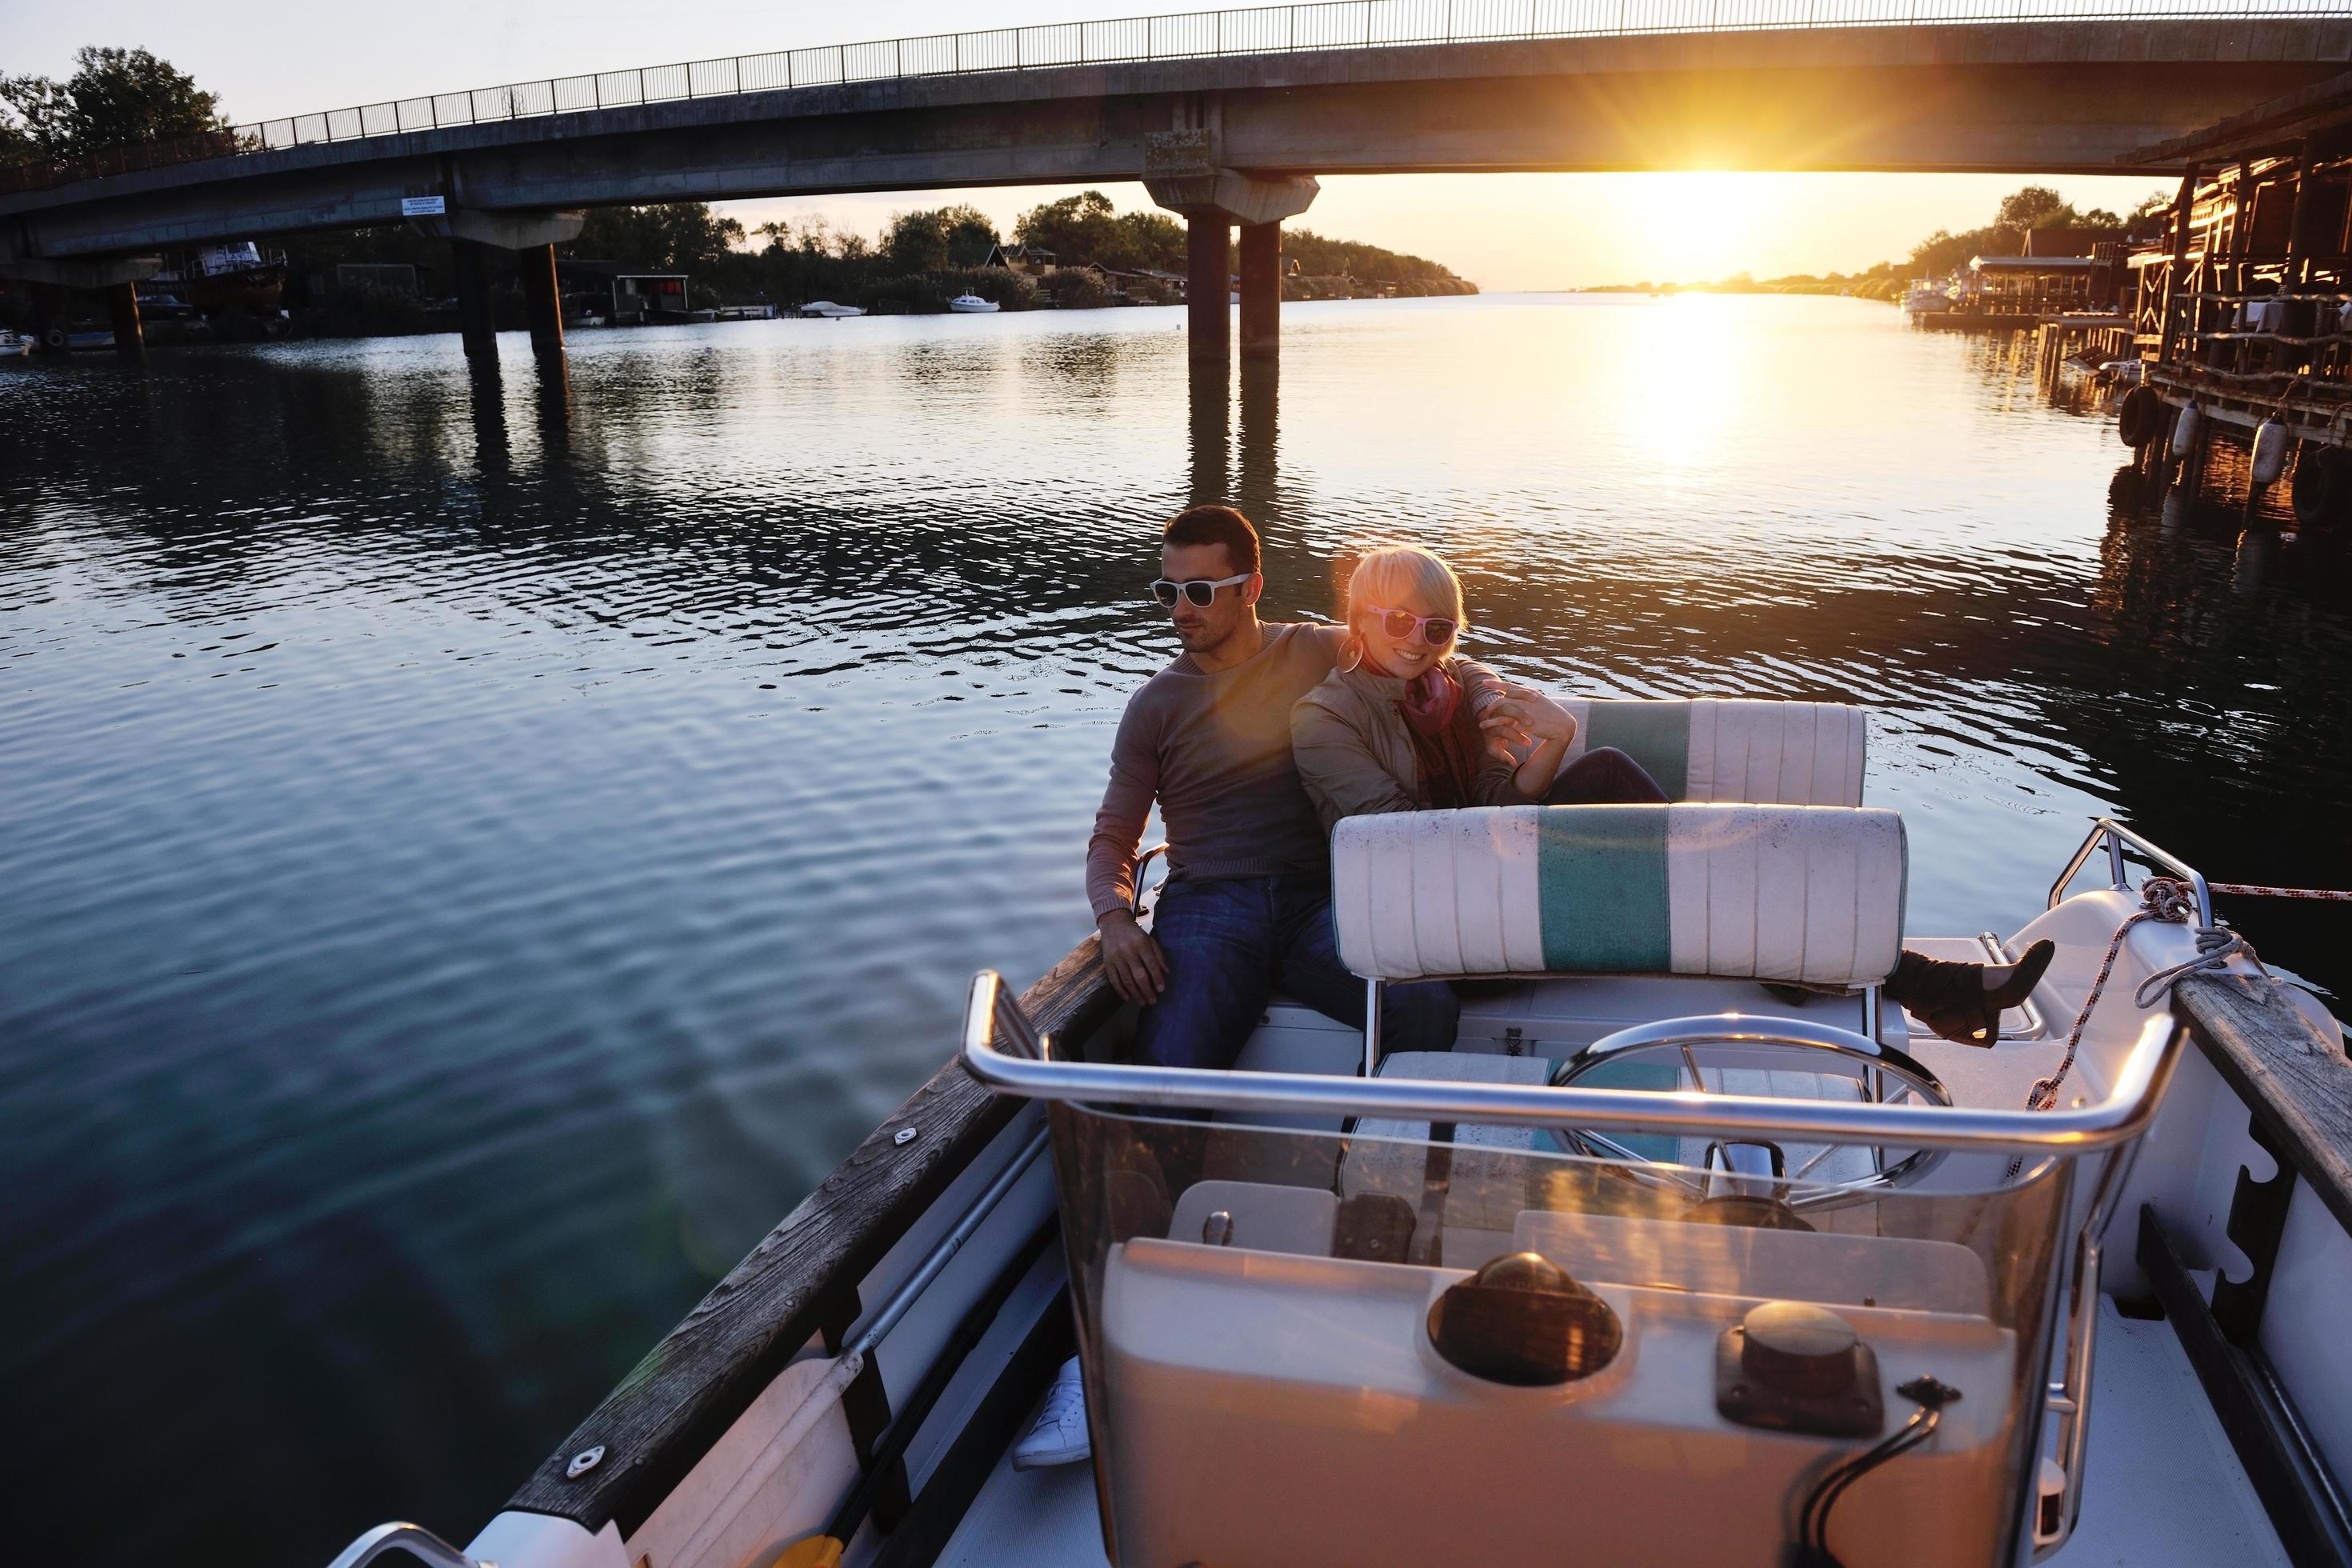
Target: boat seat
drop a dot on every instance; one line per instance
(1800, 894)
(1710, 748)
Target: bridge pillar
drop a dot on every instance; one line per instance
(1208, 306)
(1261, 271)
(470, 260)
(52, 305)
(122, 304)
(1212, 200)
(543, 300)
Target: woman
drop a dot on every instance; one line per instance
(1404, 723)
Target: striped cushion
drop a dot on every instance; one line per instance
(1810, 893)
(1712, 748)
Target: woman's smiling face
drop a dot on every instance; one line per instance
(1404, 606)
(1407, 656)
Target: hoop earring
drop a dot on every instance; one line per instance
(1351, 652)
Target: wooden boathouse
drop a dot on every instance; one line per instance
(2242, 313)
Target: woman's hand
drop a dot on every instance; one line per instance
(1525, 717)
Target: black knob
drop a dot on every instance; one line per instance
(1522, 1320)
(1797, 1348)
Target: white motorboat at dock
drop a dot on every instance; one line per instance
(828, 310)
(972, 305)
(1655, 1266)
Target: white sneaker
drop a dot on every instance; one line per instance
(1060, 1436)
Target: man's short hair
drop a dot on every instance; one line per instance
(1216, 525)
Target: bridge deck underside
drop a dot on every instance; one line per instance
(2005, 100)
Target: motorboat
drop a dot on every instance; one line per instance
(14, 344)
(829, 311)
(1664, 1261)
(972, 305)
(1926, 296)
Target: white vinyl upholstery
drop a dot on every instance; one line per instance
(1734, 748)
(1795, 893)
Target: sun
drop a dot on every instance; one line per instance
(1696, 226)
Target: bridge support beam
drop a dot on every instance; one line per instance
(52, 305)
(122, 305)
(473, 235)
(1208, 312)
(1261, 274)
(1212, 200)
(543, 301)
(470, 260)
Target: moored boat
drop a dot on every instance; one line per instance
(972, 305)
(829, 311)
(1656, 1261)
(1926, 296)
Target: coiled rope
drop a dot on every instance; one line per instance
(2163, 899)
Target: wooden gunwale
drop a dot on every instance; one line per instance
(2295, 1083)
(678, 1401)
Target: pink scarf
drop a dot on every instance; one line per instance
(1431, 701)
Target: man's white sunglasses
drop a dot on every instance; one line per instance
(1199, 590)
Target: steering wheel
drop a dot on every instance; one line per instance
(1752, 1170)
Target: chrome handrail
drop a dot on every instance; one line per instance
(414, 1539)
(2117, 838)
(1135, 899)
(1034, 1074)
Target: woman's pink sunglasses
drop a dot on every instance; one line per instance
(1435, 630)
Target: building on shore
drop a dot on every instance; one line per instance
(621, 294)
(2242, 318)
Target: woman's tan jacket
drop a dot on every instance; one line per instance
(1355, 755)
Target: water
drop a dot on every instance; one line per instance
(474, 855)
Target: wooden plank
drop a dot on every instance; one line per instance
(678, 1401)
(2295, 1081)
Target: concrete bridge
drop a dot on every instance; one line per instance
(1222, 137)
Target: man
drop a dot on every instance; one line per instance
(1246, 909)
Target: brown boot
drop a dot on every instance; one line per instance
(1964, 1002)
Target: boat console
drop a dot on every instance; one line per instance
(1710, 1286)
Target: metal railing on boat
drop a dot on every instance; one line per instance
(414, 1539)
(1029, 1069)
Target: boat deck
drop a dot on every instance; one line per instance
(2164, 1485)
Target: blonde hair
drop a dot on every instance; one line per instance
(1391, 576)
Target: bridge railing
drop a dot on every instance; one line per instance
(1270, 29)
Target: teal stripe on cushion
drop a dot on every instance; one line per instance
(1654, 734)
(1600, 883)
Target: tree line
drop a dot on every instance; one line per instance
(919, 260)
(1942, 252)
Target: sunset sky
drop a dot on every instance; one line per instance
(271, 58)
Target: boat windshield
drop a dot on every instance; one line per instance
(1384, 1340)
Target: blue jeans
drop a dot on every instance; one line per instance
(1231, 944)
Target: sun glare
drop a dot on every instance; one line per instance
(1695, 228)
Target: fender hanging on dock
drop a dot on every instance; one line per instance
(2186, 429)
(2271, 445)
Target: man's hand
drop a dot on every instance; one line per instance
(1138, 969)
